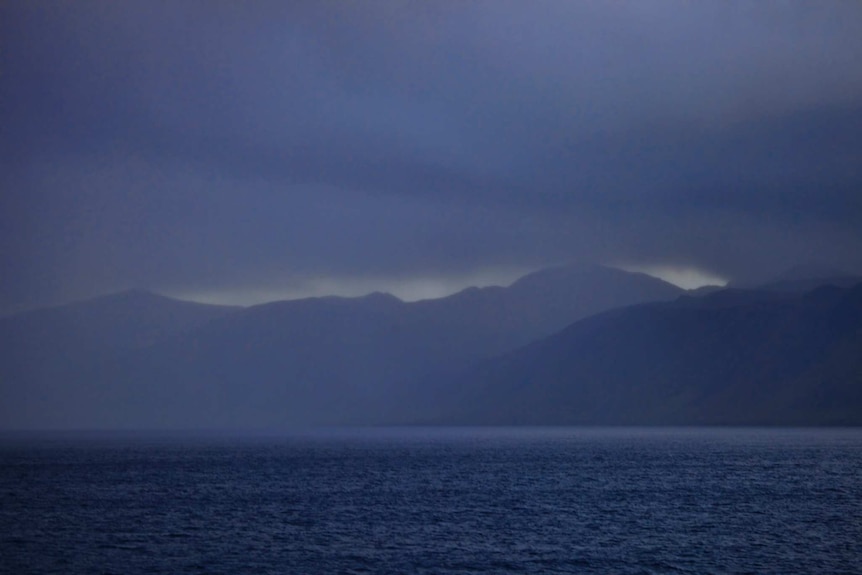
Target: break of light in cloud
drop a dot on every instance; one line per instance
(683, 276)
(410, 288)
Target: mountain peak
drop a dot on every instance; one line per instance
(561, 272)
(382, 297)
(589, 276)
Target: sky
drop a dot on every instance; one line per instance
(248, 151)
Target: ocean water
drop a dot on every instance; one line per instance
(557, 500)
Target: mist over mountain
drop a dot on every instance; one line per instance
(288, 156)
(140, 360)
(568, 345)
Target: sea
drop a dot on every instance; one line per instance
(434, 500)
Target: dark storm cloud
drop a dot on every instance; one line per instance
(197, 145)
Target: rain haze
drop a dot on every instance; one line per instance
(597, 267)
(245, 152)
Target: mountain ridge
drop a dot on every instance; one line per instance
(322, 360)
(655, 354)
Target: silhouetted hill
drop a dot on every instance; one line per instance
(487, 321)
(129, 318)
(732, 357)
(55, 361)
(138, 360)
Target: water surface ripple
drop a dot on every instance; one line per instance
(562, 500)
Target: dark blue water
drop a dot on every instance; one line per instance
(436, 501)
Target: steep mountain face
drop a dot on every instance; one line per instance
(139, 360)
(732, 357)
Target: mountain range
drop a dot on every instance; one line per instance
(566, 345)
(137, 359)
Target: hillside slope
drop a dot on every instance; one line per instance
(732, 357)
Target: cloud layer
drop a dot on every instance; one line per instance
(214, 147)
